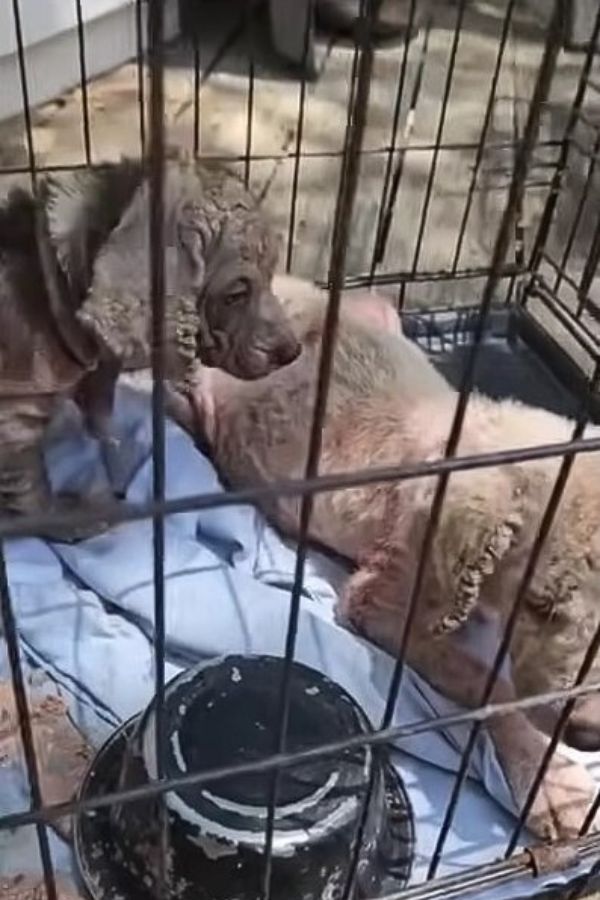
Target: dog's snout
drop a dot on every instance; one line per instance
(583, 728)
(287, 351)
(583, 736)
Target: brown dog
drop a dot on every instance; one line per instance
(75, 304)
(37, 369)
(220, 258)
(388, 406)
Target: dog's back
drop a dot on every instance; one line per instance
(260, 431)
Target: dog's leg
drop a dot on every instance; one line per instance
(374, 603)
(95, 397)
(24, 485)
(566, 791)
(25, 490)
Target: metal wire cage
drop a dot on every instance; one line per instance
(541, 266)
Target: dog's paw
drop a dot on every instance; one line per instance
(356, 600)
(563, 801)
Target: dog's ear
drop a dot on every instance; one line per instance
(477, 553)
(82, 209)
(193, 242)
(17, 221)
(78, 343)
(194, 236)
(571, 562)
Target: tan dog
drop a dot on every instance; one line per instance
(388, 406)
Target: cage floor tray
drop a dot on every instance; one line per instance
(507, 367)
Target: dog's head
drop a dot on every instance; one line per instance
(219, 262)
(242, 325)
(482, 558)
(232, 251)
(555, 642)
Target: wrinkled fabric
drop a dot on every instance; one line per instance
(85, 620)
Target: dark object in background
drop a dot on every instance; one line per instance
(341, 17)
(224, 712)
(512, 364)
(288, 19)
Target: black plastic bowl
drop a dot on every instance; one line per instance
(224, 712)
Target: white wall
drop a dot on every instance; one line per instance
(52, 53)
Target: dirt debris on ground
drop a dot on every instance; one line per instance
(62, 753)
(30, 887)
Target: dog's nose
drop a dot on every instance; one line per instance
(583, 728)
(287, 352)
(584, 736)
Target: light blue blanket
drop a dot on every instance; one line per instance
(85, 620)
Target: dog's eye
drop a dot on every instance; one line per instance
(545, 608)
(237, 294)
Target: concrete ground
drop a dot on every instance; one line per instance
(224, 121)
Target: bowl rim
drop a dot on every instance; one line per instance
(89, 865)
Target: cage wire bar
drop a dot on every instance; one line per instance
(460, 12)
(487, 120)
(150, 63)
(156, 165)
(549, 281)
(540, 94)
(141, 73)
(523, 157)
(52, 811)
(421, 147)
(7, 617)
(389, 192)
(297, 154)
(349, 173)
(113, 513)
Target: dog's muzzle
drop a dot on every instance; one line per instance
(583, 728)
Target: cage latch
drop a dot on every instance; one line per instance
(556, 857)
